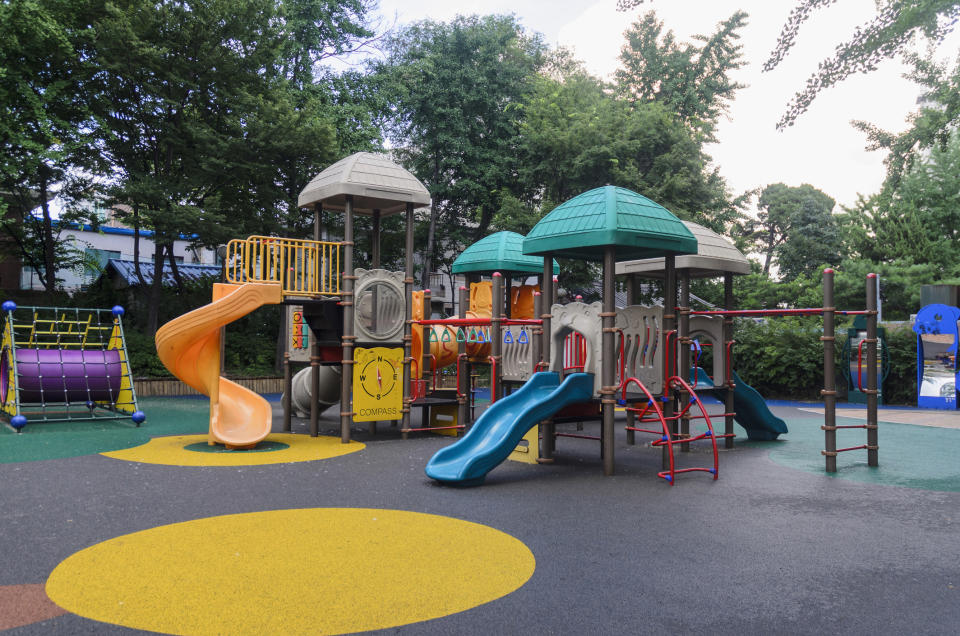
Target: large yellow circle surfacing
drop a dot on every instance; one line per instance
(172, 451)
(306, 571)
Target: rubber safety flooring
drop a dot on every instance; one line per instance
(365, 541)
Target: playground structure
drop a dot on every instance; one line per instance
(63, 364)
(644, 348)
(378, 330)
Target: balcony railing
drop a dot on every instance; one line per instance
(303, 268)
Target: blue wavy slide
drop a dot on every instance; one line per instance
(752, 411)
(467, 461)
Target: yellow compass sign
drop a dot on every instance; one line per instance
(377, 384)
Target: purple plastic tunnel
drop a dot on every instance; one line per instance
(63, 375)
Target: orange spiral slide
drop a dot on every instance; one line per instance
(189, 346)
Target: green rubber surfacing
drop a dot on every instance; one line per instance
(911, 456)
(262, 447)
(57, 440)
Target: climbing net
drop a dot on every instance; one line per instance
(63, 364)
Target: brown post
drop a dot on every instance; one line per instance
(496, 339)
(536, 342)
(669, 352)
(314, 346)
(375, 242)
(872, 432)
(728, 304)
(547, 439)
(508, 295)
(829, 381)
(408, 324)
(346, 299)
(287, 387)
(463, 384)
(375, 264)
(608, 361)
(631, 300)
(683, 352)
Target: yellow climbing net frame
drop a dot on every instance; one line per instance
(303, 268)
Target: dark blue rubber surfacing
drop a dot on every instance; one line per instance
(501, 427)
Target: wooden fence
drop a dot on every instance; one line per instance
(147, 387)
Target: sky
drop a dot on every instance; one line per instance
(821, 149)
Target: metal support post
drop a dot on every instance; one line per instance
(829, 381)
(608, 387)
(872, 448)
(670, 349)
(346, 299)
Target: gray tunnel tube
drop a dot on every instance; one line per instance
(330, 376)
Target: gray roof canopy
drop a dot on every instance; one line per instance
(374, 181)
(715, 255)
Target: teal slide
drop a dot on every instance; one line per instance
(752, 412)
(467, 461)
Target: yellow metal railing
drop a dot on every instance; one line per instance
(303, 268)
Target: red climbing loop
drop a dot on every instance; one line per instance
(668, 439)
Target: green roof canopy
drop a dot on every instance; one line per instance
(586, 224)
(500, 252)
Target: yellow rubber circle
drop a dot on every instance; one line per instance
(306, 571)
(172, 451)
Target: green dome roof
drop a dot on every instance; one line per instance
(583, 226)
(500, 252)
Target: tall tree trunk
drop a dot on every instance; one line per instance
(771, 245)
(174, 268)
(156, 287)
(431, 246)
(486, 216)
(136, 246)
(49, 252)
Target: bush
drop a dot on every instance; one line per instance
(783, 358)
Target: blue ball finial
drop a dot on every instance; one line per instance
(117, 310)
(9, 305)
(18, 421)
(138, 417)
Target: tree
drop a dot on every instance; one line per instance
(795, 223)
(577, 136)
(918, 220)
(931, 127)
(458, 89)
(887, 34)
(46, 143)
(690, 81)
(213, 115)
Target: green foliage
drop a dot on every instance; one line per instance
(887, 34)
(900, 386)
(691, 81)
(781, 357)
(915, 221)
(47, 147)
(576, 136)
(457, 89)
(930, 127)
(794, 224)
